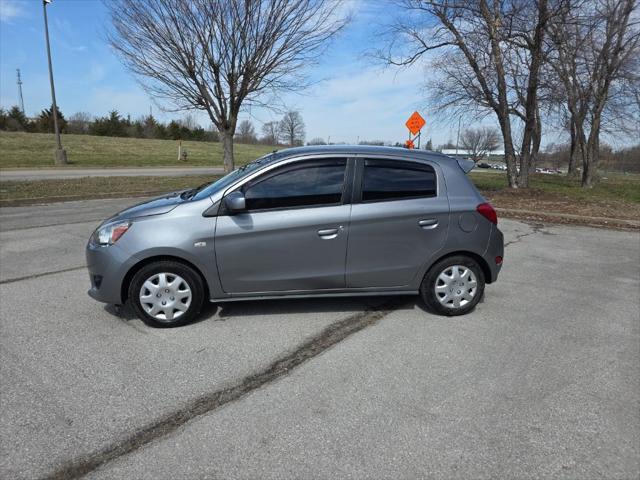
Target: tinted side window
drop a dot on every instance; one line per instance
(385, 181)
(298, 187)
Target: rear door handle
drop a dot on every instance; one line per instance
(328, 233)
(428, 223)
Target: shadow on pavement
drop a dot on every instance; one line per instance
(229, 310)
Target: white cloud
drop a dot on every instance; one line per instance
(359, 103)
(9, 10)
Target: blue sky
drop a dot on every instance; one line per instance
(357, 99)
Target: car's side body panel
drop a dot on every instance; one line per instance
(282, 250)
(389, 241)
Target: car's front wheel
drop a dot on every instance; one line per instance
(453, 286)
(166, 294)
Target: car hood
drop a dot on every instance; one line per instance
(155, 206)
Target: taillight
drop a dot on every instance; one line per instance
(487, 211)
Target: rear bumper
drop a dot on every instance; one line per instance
(107, 267)
(495, 249)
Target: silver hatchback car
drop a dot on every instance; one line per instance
(309, 221)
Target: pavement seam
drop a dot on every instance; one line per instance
(164, 426)
(38, 275)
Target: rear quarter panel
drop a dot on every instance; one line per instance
(468, 230)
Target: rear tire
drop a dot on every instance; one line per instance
(166, 294)
(453, 286)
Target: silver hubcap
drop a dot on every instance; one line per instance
(456, 286)
(165, 296)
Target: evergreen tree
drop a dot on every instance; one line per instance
(44, 122)
(16, 120)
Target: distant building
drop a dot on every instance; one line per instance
(462, 153)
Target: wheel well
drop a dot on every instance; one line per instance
(479, 260)
(124, 289)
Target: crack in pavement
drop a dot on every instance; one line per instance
(330, 336)
(38, 275)
(535, 228)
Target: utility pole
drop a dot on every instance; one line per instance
(60, 153)
(20, 91)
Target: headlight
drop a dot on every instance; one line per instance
(110, 233)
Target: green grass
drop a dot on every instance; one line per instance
(35, 150)
(613, 187)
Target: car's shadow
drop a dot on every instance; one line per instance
(237, 309)
(313, 305)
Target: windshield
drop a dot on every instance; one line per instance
(209, 189)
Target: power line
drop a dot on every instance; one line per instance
(20, 91)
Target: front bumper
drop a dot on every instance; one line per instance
(108, 266)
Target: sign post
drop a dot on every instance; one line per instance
(414, 124)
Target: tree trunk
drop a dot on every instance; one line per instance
(523, 174)
(509, 153)
(589, 168)
(531, 103)
(227, 150)
(572, 170)
(501, 107)
(537, 139)
(590, 164)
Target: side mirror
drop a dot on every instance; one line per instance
(235, 202)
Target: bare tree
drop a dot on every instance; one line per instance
(79, 122)
(317, 141)
(594, 56)
(291, 128)
(246, 132)
(218, 56)
(189, 121)
(480, 141)
(270, 133)
(479, 39)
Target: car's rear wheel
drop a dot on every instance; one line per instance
(453, 286)
(166, 294)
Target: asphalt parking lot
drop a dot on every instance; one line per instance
(542, 380)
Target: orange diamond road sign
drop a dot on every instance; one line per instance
(415, 123)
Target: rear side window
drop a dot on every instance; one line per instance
(312, 185)
(390, 180)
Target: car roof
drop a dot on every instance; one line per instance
(361, 150)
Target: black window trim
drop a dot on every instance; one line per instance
(402, 164)
(296, 165)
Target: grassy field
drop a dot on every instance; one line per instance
(35, 150)
(616, 196)
(613, 187)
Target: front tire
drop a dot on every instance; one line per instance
(453, 286)
(166, 294)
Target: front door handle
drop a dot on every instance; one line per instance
(328, 233)
(428, 223)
